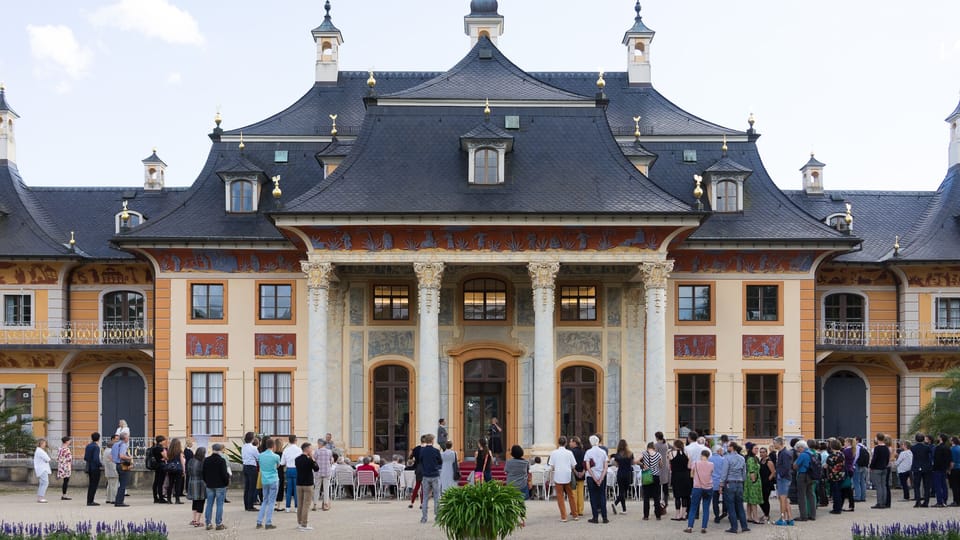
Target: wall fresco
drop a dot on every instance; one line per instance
(34, 360)
(234, 261)
(356, 306)
(275, 345)
(933, 276)
(748, 262)
(380, 343)
(206, 345)
(842, 275)
(493, 239)
(923, 363)
(28, 274)
(695, 347)
(578, 343)
(525, 314)
(111, 274)
(614, 294)
(763, 347)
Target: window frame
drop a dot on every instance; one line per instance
(412, 292)
(258, 418)
(712, 373)
(32, 322)
(293, 302)
(118, 220)
(254, 195)
(486, 153)
(597, 298)
(223, 403)
(778, 406)
(473, 147)
(411, 399)
(507, 305)
(722, 192)
(937, 326)
(780, 292)
(598, 386)
(190, 318)
(712, 321)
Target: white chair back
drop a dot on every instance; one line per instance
(366, 479)
(389, 477)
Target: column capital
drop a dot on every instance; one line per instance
(318, 274)
(655, 274)
(429, 275)
(543, 274)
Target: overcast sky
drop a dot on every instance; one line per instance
(864, 84)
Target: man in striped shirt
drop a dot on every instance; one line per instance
(321, 479)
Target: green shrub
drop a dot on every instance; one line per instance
(483, 511)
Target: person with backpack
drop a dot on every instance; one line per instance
(156, 458)
(860, 471)
(803, 464)
(878, 472)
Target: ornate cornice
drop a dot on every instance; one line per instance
(543, 274)
(655, 274)
(429, 275)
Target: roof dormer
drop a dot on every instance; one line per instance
(725, 180)
(954, 121)
(487, 147)
(242, 182)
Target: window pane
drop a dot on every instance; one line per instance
(484, 299)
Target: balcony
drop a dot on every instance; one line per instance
(78, 334)
(885, 337)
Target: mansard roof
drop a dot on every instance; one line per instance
(936, 235)
(26, 228)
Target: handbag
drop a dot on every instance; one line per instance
(126, 466)
(476, 477)
(847, 482)
(646, 477)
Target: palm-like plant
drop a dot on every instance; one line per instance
(942, 413)
(483, 511)
(14, 437)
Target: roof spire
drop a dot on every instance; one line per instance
(333, 128)
(724, 148)
(636, 127)
(486, 108)
(637, 9)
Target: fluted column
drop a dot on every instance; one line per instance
(544, 275)
(429, 276)
(655, 277)
(318, 286)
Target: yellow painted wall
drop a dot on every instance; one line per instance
(925, 309)
(85, 393)
(38, 381)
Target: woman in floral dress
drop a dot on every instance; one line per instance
(752, 488)
(65, 465)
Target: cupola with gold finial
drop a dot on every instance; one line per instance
(638, 40)
(328, 39)
(154, 172)
(812, 173)
(8, 119)
(953, 120)
(484, 20)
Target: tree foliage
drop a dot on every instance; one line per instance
(942, 413)
(14, 421)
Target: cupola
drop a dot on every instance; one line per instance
(154, 172)
(638, 40)
(328, 39)
(484, 20)
(953, 120)
(813, 176)
(8, 117)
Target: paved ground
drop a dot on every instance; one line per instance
(393, 520)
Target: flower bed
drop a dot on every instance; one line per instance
(933, 530)
(84, 530)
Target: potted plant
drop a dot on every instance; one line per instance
(484, 511)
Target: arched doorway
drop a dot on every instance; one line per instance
(484, 397)
(579, 402)
(391, 410)
(123, 396)
(844, 405)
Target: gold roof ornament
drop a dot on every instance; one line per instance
(276, 187)
(636, 126)
(73, 240)
(241, 146)
(601, 84)
(724, 148)
(333, 128)
(751, 120)
(698, 191)
(849, 217)
(896, 246)
(125, 215)
(217, 119)
(372, 81)
(486, 108)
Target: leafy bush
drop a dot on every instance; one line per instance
(933, 530)
(487, 511)
(85, 530)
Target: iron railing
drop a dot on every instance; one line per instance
(78, 333)
(138, 449)
(886, 336)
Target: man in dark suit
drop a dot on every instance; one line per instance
(922, 471)
(216, 478)
(91, 455)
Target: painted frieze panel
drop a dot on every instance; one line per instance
(29, 360)
(930, 363)
(380, 343)
(933, 276)
(614, 295)
(234, 261)
(111, 274)
(207, 345)
(747, 262)
(29, 274)
(578, 343)
(275, 345)
(843, 275)
(695, 347)
(763, 347)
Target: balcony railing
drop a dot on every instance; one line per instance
(78, 333)
(886, 336)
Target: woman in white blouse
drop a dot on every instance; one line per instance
(122, 428)
(41, 466)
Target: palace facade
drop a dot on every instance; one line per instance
(569, 252)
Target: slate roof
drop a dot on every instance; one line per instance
(4, 106)
(936, 235)
(873, 213)
(635, 149)
(727, 165)
(564, 161)
(813, 162)
(153, 158)
(327, 25)
(485, 73)
(954, 114)
(638, 26)
(26, 229)
(484, 8)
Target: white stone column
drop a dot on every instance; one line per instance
(655, 401)
(429, 276)
(543, 275)
(318, 286)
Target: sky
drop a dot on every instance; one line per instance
(99, 83)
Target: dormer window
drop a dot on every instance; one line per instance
(727, 197)
(838, 222)
(242, 196)
(725, 180)
(487, 146)
(486, 162)
(134, 219)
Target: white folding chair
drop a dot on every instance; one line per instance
(612, 483)
(388, 477)
(344, 477)
(365, 479)
(409, 479)
(539, 480)
(551, 485)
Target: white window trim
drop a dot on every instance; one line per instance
(118, 221)
(138, 290)
(228, 199)
(935, 312)
(501, 149)
(714, 186)
(3, 306)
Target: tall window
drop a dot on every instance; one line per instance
(206, 403)
(726, 196)
(948, 313)
(486, 166)
(123, 317)
(17, 310)
(241, 196)
(578, 401)
(275, 404)
(694, 402)
(693, 303)
(391, 303)
(763, 302)
(207, 301)
(276, 302)
(843, 308)
(763, 405)
(391, 409)
(578, 303)
(485, 300)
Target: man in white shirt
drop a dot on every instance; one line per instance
(563, 462)
(289, 460)
(595, 461)
(694, 448)
(250, 455)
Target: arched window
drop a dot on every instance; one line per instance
(327, 51)
(579, 408)
(241, 196)
(638, 51)
(727, 196)
(134, 219)
(123, 317)
(484, 34)
(391, 410)
(485, 299)
(843, 308)
(486, 166)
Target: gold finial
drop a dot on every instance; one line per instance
(751, 120)
(2, 87)
(241, 145)
(154, 149)
(698, 191)
(73, 240)
(724, 148)
(486, 108)
(333, 129)
(371, 82)
(125, 215)
(276, 187)
(636, 126)
(849, 217)
(217, 119)
(896, 245)
(601, 84)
